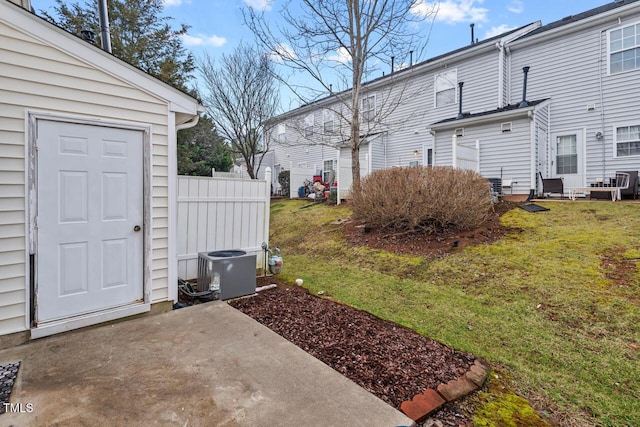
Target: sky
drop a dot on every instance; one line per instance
(216, 26)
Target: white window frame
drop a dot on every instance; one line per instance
(616, 47)
(442, 82)
(368, 114)
(328, 122)
(282, 132)
(308, 126)
(325, 170)
(629, 140)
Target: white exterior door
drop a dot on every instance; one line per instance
(567, 158)
(89, 219)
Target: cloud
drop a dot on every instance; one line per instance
(516, 6)
(257, 4)
(494, 31)
(342, 56)
(282, 52)
(452, 11)
(168, 3)
(203, 40)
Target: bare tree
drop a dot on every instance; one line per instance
(341, 44)
(241, 95)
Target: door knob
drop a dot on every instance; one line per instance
(136, 228)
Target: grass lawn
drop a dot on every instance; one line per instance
(550, 302)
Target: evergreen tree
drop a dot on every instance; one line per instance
(140, 35)
(201, 148)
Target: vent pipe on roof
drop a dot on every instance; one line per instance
(410, 58)
(393, 58)
(88, 36)
(524, 102)
(472, 36)
(105, 34)
(460, 115)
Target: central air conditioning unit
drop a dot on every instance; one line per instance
(231, 273)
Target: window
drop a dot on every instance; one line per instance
(308, 126)
(328, 174)
(627, 141)
(429, 157)
(566, 155)
(328, 115)
(445, 88)
(282, 129)
(624, 49)
(368, 109)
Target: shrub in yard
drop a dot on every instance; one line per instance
(283, 178)
(423, 199)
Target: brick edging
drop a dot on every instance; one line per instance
(424, 404)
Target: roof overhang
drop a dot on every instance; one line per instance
(604, 18)
(427, 66)
(518, 113)
(24, 21)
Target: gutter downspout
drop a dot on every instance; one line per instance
(500, 46)
(189, 124)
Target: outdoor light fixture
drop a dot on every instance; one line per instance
(416, 153)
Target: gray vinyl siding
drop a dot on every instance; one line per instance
(502, 154)
(508, 154)
(37, 77)
(569, 69)
(407, 124)
(378, 160)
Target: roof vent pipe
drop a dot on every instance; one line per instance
(460, 115)
(88, 36)
(472, 36)
(524, 102)
(410, 58)
(105, 34)
(393, 58)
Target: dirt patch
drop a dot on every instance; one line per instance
(429, 246)
(389, 360)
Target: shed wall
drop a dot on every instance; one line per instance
(35, 77)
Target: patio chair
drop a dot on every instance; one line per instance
(552, 185)
(633, 187)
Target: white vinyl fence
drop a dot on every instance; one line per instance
(296, 179)
(465, 156)
(221, 213)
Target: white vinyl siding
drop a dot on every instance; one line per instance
(624, 49)
(40, 78)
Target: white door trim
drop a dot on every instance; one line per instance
(31, 171)
(580, 179)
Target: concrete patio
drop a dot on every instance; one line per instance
(207, 365)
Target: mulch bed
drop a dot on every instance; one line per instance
(389, 360)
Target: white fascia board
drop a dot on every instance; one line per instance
(511, 114)
(600, 19)
(26, 22)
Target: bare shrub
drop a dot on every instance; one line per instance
(423, 199)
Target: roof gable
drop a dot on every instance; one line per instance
(29, 23)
